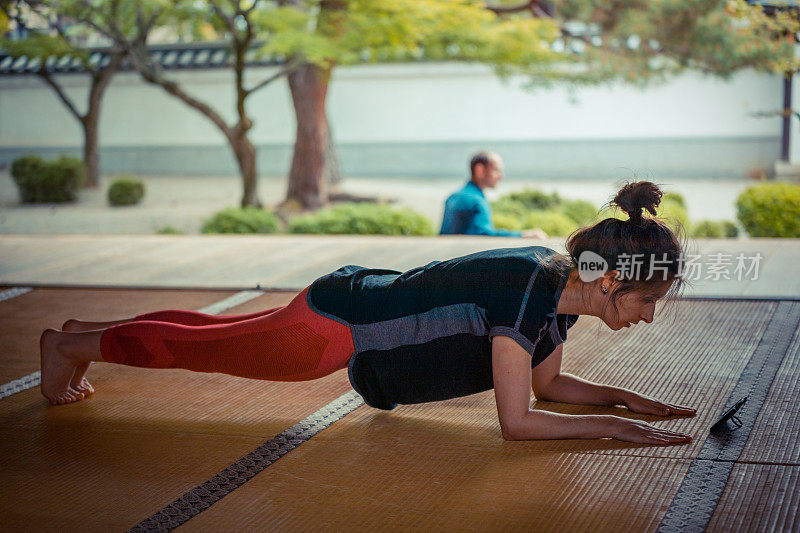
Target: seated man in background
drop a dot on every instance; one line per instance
(467, 211)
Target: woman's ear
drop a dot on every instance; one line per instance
(608, 281)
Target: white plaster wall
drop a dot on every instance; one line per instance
(395, 104)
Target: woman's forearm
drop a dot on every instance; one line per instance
(546, 425)
(572, 389)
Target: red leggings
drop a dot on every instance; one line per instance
(289, 343)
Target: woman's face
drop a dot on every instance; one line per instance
(634, 306)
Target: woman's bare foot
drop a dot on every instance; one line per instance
(57, 371)
(79, 382)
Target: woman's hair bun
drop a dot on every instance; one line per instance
(638, 195)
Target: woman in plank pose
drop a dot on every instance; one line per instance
(492, 319)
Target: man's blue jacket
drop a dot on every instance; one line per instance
(467, 212)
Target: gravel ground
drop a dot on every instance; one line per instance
(184, 202)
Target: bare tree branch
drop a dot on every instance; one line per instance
(229, 21)
(152, 75)
(42, 72)
(247, 11)
(291, 66)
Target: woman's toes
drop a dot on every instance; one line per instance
(75, 395)
(85, 387)
(69, 325)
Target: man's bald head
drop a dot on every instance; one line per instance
(486, 168)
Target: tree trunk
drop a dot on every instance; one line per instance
(246, 158)
(307, 183)
(90, 148)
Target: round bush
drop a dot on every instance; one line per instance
(52, 181)
(712, 229)
(363, 218)
(770, 210)
(715, 229)
(169, 230)
(26, 166)
(731, 230)
(242, 220)
(125, 190)
(26, 172)
(554, 223)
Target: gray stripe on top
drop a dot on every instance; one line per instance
(555, 333)
(525, 298)
(421, 328)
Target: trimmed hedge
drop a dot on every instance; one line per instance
(554, 223)
(242, 220)
(532, 208)
(363, 218)
(770, 210)
(169, 230)
(125, 190)
(42, 181)
(715, 229)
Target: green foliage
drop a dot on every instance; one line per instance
(554, 223)
(393, 30)
(674, 197)
(675, 215)
(715, 229)
(26, 167)
(363, 218)
(38, 45)
(51, 181)
(532, 208)
(730, 229)
(507, 220)
(125, 190)
(581, 211)
(535, 199)
(242, 220)
(169, 230)
(770, 210)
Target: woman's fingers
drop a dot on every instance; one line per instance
(674, 436)
(680, 409)
(665, 409)
(635, 431)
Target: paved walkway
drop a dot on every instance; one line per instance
(92, 244)
(184, 202)
(291, 262)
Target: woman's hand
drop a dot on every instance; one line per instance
(638, 431)
(650, 406)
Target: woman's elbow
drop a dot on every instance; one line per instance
(542, 394)
(511, 431)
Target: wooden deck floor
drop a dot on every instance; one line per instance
(146, 437)
(291, 262)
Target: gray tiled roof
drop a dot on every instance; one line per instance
(169, 56)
